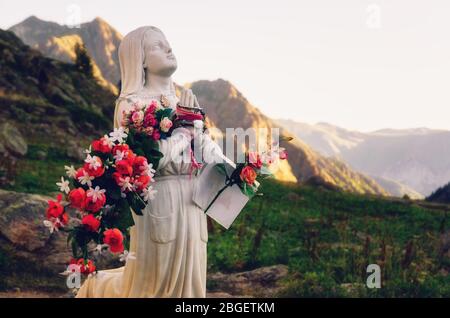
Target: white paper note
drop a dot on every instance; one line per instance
(230, 202)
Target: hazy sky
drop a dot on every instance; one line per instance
(358, 64)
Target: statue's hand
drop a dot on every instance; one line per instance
(188, 99)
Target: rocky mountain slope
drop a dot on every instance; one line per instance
(227, 107)
(418, 160)
(49, 113)
(57, 41)
(441, 195)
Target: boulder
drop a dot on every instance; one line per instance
(27, 247)
(260, 282)
(23, 234)
(12, 140)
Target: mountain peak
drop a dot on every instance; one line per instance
(52, 39)
(100, 22)
(32, 18)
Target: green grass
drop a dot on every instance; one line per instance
(328, 238)
(36, 175)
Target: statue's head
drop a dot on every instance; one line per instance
(144, 50)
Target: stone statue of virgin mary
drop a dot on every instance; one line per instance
(167, 256)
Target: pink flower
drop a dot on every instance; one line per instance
(165, 124)
(283, 154)
(149, 130)
(156, 135)
(137, 117)
(150, 120)
(254, 159)
(151, 108)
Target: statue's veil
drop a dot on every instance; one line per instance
(131, 59)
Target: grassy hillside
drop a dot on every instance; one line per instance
(327, 238)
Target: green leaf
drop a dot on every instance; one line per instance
(136, 204)
(125, 219)
(249, 190)
(114, 192)
(221, 168)
(166, 112)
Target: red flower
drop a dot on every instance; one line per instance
(77, 198)
(114, 239)
(97, 205)
(131, 157)
(121, 148)
(117, 177)
(142, 182)
(124, 168)
(91, 222)
(64, 218)
(55, 209)
(139, 164)
(97, 171)
(248, 175)
(156, 135)
(86, 266)
(255, 159)
(80, 173)
(101, 145)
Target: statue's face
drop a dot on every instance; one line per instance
(159, 58)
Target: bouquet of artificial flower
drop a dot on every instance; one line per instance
(248, 174)
(114, 180)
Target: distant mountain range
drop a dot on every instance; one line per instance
(411, 162)
(227, 107)
(406, 160)
(57, 41)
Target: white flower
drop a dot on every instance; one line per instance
(53, 225)
(148, 193)
(125, 184)
(127, 255)
(86, 179)
(136, 185)
(101, 248)
(95, 193)
(118, 134)
(106, 141)
(88, 151)
(120, 155)
(93, 162)
(70, 171)
(148, 170)
(63, 185)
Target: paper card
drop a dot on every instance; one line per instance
(228, 205)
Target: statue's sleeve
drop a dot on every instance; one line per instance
(212, 153)
(172, 147)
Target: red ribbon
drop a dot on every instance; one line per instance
(183, 114)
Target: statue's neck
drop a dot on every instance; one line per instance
(156, 84)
